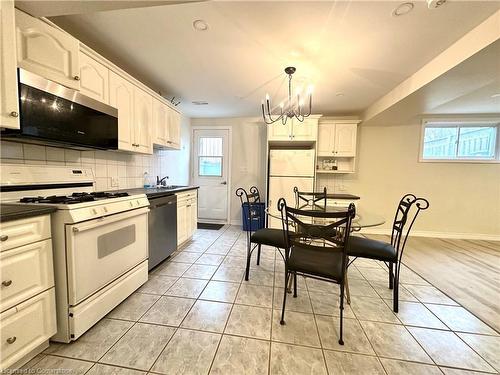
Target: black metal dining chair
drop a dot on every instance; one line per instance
(256, 237)
(390, 253)
(314, 250)
(309, 199)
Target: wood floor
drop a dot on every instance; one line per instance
(466, 270)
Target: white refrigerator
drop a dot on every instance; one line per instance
(288, 168)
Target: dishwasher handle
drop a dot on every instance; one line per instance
(162, 201)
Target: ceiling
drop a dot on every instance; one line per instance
(353, 52)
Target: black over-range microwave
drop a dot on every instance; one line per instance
(54, 114)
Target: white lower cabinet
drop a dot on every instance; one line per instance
(27, 295)
(187, 215)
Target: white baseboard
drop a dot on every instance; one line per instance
(431, 234)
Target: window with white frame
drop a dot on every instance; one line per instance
(460, 140)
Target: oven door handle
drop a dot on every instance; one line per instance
(109, 219)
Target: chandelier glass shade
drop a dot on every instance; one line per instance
(295, 106)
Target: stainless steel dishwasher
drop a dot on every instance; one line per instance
(162, 228)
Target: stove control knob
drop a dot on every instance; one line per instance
(131, 204)
(138, 203)
(94, 211)
(105, 209)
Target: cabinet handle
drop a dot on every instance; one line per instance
(4, 237)
(77, 78)
(188, 205)
(169, 142)
(11, 340)
(6, 282)
(14, 114)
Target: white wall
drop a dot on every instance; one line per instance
(464, 197)
(128, 168)
(248, 161)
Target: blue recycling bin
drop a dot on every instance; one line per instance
(258, 217)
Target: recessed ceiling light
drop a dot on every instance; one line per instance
(497, 95)
(200, 25)
(339, 94)
(402, 9)
(199, 102)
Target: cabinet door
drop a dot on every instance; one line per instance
(94, 79)
(121, 96)
(143, 121)
(279, 132)
(160, 123)
(47, 51)
(345, 139)
(306, 130)
(174, 129)
(9, 101)
(326, 133)
(181, 223)
(193, 219)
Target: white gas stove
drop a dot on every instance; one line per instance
(100, 240)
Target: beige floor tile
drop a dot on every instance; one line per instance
(353, 273)
(255, 295)
(455, 371)
(134, 306)
(168, 311)
(367, 263)
(207, 316)
(239, 355)
(157, 284)
(99, 369)
(301, 303)
(260, 277)
(220, 291)
(265, 265)
(250, 321)
(188, 288)
(488, 347)
(459, 319)
(429, 294)
(228, 273)
(279, 281)
(171, 269)
(407, 276)
(349, 364)
(393, 367)
(210, 259)
(328, 304)
(394, 341)
(200, 271)
(234, 261)
(382, 288)
(321, 286)
(289, 359)
(374, 309)
(299, 329)
(140, 346)
(374, 274)
(217, 249)
(52, 364)
(188, 352)
(355, 339)
(185, 257)
(446, 349)
(358, 287)
(416, 314)
(94, 343)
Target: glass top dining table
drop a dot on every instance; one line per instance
(362, 219)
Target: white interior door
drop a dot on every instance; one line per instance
(210, 169)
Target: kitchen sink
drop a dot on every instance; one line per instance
(171, 187)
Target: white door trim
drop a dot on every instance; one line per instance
(229, 158)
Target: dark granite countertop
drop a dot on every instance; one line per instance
(342, 196)
(158, 192)
(10, 212)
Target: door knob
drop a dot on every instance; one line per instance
(11, 340)
(14, 114)
(6, 283)
(77, 78)
(224, 183)
(4, 237)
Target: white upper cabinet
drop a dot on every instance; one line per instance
(293, 130)
(143, 121)
(9, 101)
(337, 139)
(345, 140)
(47, 51)
(121, 96)
(174, 129)
(94, 79)
(160, 123)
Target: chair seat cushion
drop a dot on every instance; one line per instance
(270, 237)
(316, 261)
(371, 249)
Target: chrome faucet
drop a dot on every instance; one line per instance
(161, 181)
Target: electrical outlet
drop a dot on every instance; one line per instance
(114, 181)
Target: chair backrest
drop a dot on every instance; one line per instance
(251, 208)
(305, 199)
(406, 213)
(254, 195)
(316, 229)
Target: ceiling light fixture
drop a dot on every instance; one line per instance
(497, 95)
(293, 107)
(200, 25)
(339, 94)
(199, 102)
(402, 9)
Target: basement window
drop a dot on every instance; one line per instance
(460, 141)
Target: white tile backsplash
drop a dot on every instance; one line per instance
(34, 152)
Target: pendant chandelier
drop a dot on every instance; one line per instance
(293, 107)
